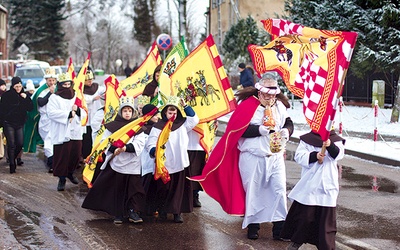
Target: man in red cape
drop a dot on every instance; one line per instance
(221, 177)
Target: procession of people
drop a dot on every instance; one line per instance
(125, 184)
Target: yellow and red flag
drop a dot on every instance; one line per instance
(207, 132)
(161, 171)
(113, 93)
(311, 62)
(119, 138)
(177, 54)
(71, 69)
(134, 85)
(201, 80)
(79, 85)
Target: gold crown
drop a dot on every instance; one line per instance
(143, 100)
(89, 75)
(64, 77)
(50, 73)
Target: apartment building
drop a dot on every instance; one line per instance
(3, 32)
(222, 14)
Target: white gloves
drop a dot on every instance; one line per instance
(264, 130)
(285, 133)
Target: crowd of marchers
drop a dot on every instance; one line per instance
(123, 183)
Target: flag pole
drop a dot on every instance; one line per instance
(339, 93)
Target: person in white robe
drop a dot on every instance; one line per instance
(65, 130)
(44, 121)
(118, 189)
(176, 196)
(93, 94)
(312, 216)
(261, 160)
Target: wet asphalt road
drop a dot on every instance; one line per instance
(33, 215)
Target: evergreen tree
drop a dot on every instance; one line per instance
(377, 24)
(237, 39)
(142, 23)
(38, 25)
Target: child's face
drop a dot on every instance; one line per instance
(126, 113)
(154, 119)
(170, 112)
(3, 87)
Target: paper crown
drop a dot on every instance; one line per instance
(50, 73)
(127, 101)
(89, 75)
(64, 77)
(175, 101)
(143, 100)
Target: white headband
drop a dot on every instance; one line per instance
(268, 90)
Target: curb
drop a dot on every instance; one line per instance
(368, 157)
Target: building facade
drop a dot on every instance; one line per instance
(223, 14)
(3, 33)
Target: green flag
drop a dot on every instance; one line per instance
(171, 62)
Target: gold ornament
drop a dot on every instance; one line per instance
(143, 100)
(64, 77)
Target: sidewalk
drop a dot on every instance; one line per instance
(386, 150)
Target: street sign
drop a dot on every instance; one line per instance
(23, 49)
(164, 41)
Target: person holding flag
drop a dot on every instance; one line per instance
(312, 216)
(118, 189)
(92, 93)
(44, 93)
(65, 130)
(151, 89)
(174, 196)
(248, 161)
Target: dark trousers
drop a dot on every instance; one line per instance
(87, 142)
(15, 140)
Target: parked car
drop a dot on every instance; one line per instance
(33, 72)
(64, 68)
(57, 69)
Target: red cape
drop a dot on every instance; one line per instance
(220, 178)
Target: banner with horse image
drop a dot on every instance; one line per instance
(113, 93)
(134, 85)
(312, 63)
(203, 83)
(171, 62)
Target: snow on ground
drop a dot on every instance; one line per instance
(360, 120)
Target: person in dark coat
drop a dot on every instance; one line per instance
(246, 76)
(151, 89)
(14, 105)
(128, 71)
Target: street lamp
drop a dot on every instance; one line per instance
(118, 63)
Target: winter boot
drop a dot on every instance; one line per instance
(72, 178)
(134, 217)
(252, 231)
(276, 230)
(196, 201)
(61, 183)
